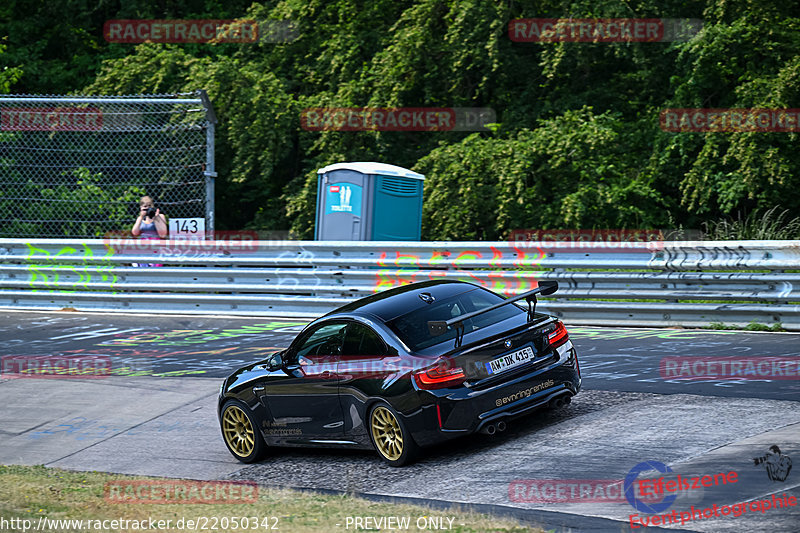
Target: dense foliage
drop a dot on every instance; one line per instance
(577, 144)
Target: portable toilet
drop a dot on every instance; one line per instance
(368, 202)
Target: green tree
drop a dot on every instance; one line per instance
(748, 56)
(577, 144)
(574, 171)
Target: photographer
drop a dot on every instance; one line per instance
(151, 223)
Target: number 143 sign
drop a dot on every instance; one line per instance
(187, 226)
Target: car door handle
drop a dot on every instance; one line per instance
(327, 374)
(258, 388)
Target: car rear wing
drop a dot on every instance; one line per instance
(439, 327)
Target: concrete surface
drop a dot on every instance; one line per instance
(156, 415)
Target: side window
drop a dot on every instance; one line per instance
(327, 340)
(362, 340)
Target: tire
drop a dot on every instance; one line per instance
(389, 435)
(240, 433)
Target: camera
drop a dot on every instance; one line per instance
(151, 212)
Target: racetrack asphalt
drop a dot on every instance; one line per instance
(156, 415)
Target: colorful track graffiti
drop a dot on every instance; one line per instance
(46, 275)
(396, 268)
(599, 333)
(154, 346)
(187, 337)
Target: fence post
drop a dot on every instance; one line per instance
(210, 171)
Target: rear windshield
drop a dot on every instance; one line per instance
(412, 328)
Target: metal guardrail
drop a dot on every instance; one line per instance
(638, 284)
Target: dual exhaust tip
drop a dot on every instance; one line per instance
(561, 401)
(500, 425)
(491, 429)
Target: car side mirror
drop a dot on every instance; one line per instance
(275, 362)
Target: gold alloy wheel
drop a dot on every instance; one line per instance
(238, 431)
(386, 433)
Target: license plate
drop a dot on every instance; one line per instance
(515, 359)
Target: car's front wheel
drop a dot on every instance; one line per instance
(390, 436)
(239, 432)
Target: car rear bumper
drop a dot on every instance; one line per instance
(449, 413)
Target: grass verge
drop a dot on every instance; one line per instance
(752, 326)
(31, 493)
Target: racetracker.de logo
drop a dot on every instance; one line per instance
(55, 367)
(397, 118)
(225, 242)
(589, 240)
(602, 30)
(199, 31)
(730, 120)
(51, 119)
(714, 368)
(180, 491)
(570, 491)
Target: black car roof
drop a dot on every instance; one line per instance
(390, 304)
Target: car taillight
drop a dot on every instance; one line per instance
(558, 336)
(441, 375)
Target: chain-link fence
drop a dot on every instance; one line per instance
(77, 166)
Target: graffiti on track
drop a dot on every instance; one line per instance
(613, 334)
(396, 268)
(46, 270)
(188, 337)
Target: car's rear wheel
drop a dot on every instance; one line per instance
(390, 436)
(240, 433)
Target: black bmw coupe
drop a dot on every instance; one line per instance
(409, 367)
